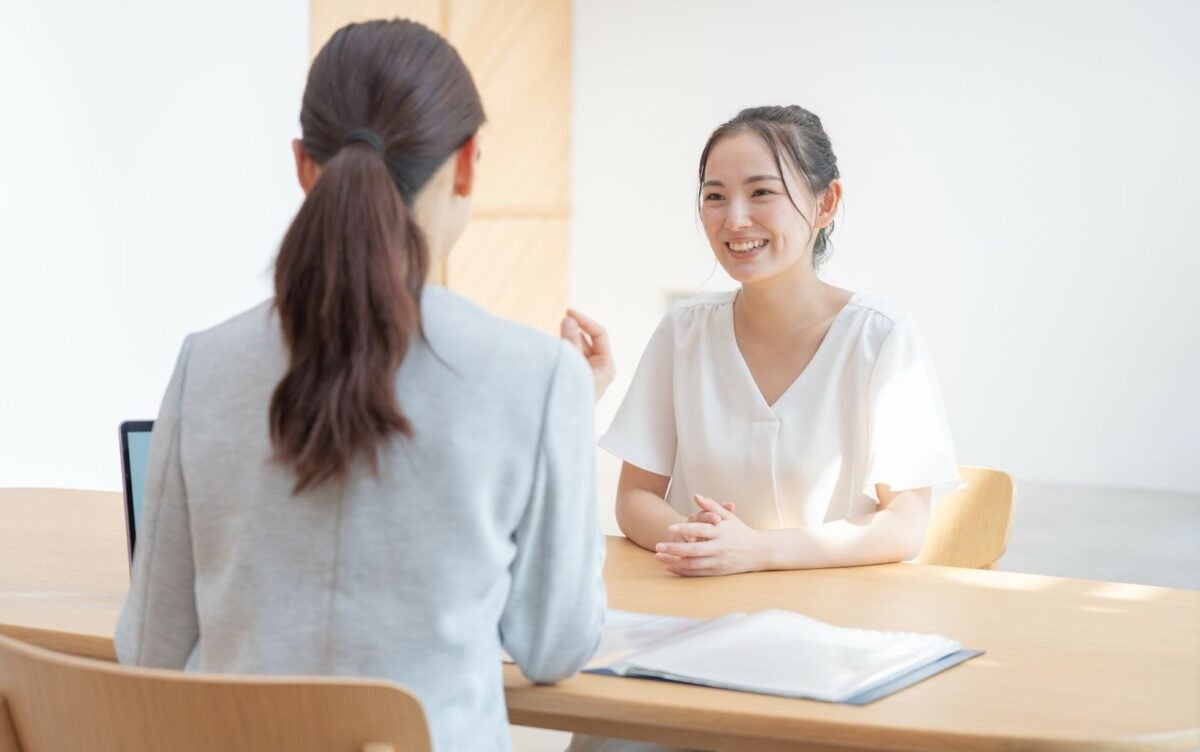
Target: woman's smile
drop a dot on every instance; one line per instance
(745, 246)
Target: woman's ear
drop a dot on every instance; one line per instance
(827, 205)
(307, 169)
(464, 167)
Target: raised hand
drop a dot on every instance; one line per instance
(591, 339)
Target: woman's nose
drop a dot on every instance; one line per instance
(736, 217)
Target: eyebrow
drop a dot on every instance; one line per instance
(751, 179)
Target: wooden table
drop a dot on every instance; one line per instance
(1070, 664)
(64, 568)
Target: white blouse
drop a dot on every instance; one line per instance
(867, 409)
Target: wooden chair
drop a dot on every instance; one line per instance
(969, 527)
(59, 702)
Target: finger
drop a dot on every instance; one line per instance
(705, 548)
(571, 333)
(705, 517)
(712, 572)
(695, 530)
(681, 572)
(593, 328)
(698, 564)
(729, 505)
(679, 537)
(600, 350)
(709, 505)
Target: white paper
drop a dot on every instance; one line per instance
(627, 633)
(785, 653)
(770, 652)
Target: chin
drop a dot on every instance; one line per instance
(745, 273)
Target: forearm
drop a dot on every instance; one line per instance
(894, 533)
(644, 516)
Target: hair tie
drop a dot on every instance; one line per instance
(364, 136)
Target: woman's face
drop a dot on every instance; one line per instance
(753, 228)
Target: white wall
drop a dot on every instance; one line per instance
(1021, 177)
(147, 180)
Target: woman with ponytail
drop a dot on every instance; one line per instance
(368, 475)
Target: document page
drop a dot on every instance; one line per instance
(629, 632)
(785, 653)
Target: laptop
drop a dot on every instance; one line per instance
(135, 448)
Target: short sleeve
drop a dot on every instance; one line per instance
(908, 437)
(643, 431)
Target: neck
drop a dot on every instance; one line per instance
(785, 303)
(441, 218)
(437, 254)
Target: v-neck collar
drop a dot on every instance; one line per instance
(771, 411)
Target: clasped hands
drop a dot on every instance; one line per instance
(712, 541)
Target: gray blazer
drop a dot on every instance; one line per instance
(478, 533)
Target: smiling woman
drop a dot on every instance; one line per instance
(767, 137)
(789, 424)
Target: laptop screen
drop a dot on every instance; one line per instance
(135, 447)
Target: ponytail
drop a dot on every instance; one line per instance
(347, 287)
(386, 104)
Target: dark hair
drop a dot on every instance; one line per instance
(349, 273)
(796, 133)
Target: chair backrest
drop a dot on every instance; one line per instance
(57, 702)
(969, 527)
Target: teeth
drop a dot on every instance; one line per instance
(749, 245)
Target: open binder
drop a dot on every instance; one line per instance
(773, 652)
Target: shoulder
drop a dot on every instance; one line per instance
(249, 322)
(877, 319)
(241, 355)
(252, 335)
(703, 305)
(883, 331)
(694, 315)
(875, 311)
(495, 349)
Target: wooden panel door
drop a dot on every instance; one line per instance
(513, 257)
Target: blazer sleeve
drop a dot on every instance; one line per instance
(158, 625)
(554, 616)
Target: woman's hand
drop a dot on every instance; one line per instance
(727, 547)
(592, 341)
(702, 516)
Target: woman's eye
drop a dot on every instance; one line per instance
(762, 192)
(713, 197)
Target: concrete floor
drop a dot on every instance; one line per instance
(1119, 535)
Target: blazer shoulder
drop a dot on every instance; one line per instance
(463, 332)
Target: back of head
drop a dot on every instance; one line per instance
(795, 136)
(387, 102)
